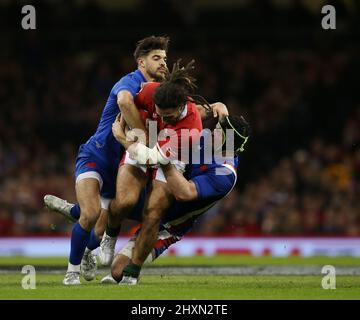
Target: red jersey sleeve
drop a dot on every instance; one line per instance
(144, 98)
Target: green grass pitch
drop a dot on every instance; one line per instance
(173, 287)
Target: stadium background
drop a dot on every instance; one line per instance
(271, 61)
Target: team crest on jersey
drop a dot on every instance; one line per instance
(99, 145)
(91, 164)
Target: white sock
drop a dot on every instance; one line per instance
(73, 268)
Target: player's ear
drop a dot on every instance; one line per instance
(141, 62)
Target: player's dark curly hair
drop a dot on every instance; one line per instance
(178, 88)
(242, 131)
(146, 45)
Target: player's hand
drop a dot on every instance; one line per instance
(121, 132)
(123, 125)
(118, 129)
(219, 110)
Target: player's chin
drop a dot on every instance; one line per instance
(160, 75)
(170, 122)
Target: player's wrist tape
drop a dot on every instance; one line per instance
(144, 155)
(132, 270)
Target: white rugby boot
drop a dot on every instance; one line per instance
(129, 281)
(88, 265)
(72, 278)
(108, 280)
(59, 205)
(107, 249)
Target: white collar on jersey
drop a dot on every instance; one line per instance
(184, 112)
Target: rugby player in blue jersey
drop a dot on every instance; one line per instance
(98, 158)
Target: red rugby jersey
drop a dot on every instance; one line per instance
(174, 140)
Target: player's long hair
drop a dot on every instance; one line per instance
(178, 87)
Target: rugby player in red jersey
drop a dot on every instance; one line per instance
(169, 104)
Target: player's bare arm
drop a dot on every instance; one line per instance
(120, 130)
(129, 110)
(182, 189)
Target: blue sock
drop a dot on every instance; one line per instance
(94, 242)
(75, 211)
(79, 241)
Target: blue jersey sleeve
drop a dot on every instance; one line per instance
(210, 185)
(129, 83)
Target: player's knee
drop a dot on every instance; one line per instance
(100, 229)
(118, 265)
(124, 204)
(117, 272)
(101, 223)
(88, 220)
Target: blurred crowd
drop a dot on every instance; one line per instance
(299, 175)
(311, 192)
(311, 189)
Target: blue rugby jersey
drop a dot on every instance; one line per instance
(102, 144)
(210, 185)
(213, 182)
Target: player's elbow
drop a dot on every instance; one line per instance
(184, 191)
(125, 101)
(183, 196)
(180, 197)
